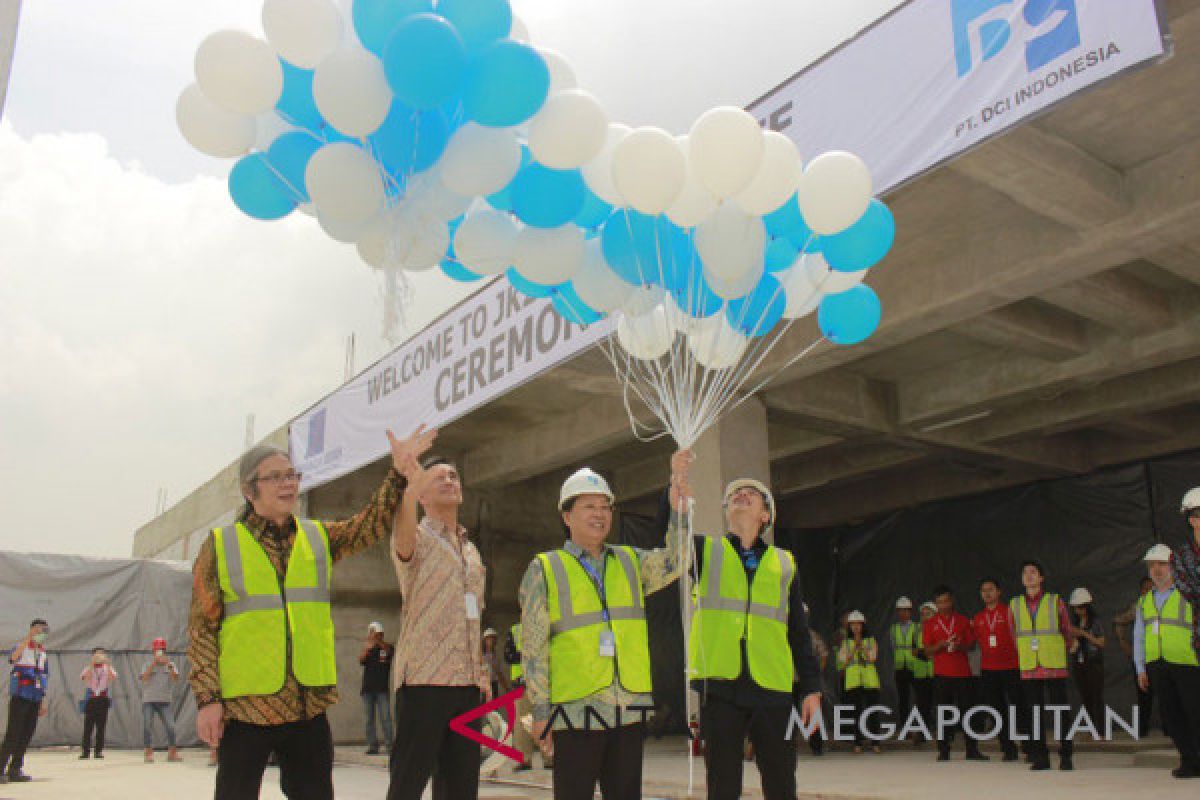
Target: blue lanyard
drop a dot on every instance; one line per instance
(597, 581)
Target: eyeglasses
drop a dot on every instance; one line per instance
(605, 507)
(281, 477)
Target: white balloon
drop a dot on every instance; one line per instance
(695, 203)
(803, 296)
(595, 283)
(777, 176)
(562, 74)
(211, 129)
(239, 72)
(648, 170)
(351, 91)
(485, 241)
(646, 336)
(343, 182)
(400, 238)
(726, 150)
(341, 230)
(569, 130)
(642, 300)
(373, 239)
(834, 191)
(480, 160)
(302, 31)
(269, 126)
(715, 344)
(597, 173)
(829, 281)
(426, 194)
(549, 256)
(731, 244)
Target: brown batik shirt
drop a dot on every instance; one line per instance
(293, 702)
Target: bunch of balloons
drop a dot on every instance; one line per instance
(431, 133)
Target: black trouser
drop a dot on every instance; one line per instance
(923, 690)
(1001, 689)
(304, 751)
(22, 720)
(956, 692)
(95, 718)
(612, 758)
(1039, 694)
(904, 694)
(1089, 678)
(426, 747)
(725, 727)
(1178, 689)
(861, 699)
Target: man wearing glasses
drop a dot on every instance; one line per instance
(262, 638)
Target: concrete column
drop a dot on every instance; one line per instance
(736, 447)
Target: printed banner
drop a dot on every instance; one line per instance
(10, 10)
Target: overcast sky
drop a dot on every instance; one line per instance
(142, 317)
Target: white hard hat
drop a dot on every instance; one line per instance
(1190, 500)
(584, 481)
(929, 605)
(375, 627)
(1159, 552)
(855, 616)
(758, 486)
(1080, 597)
(904, 602)
(490, 632)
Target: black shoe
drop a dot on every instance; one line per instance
(523, 767)
(1039, 765)
(975, 755)
(1066, 764)
(84, 754)
(943, 757)
(18, 777)
(98, 755)
(372, 751)
(1184, 772)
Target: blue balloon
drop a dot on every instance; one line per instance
(289, 155)
(425, 61)
(527, 287)
(458, 272)
(695, 298)
(257, 190)
(784, 219)
(594, 212)
(505, 85)
(863, 244)
(629, 241)
(374, 20)
(547, 198)
(757, 312)
(851, 316)
(296, 104)
(410, 141)
(780, 255)
(570, 306)
(479, 22)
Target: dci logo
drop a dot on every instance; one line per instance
(983, 29)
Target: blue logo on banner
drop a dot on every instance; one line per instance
(316, 435)
(982, 30)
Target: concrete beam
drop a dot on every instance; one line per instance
(837, 402)
(1049, 176)
(1039, 331)
(1116, 301)
(835, 465)
(1138, 427)
(1182, 260)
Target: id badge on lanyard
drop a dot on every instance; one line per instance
(608, 643)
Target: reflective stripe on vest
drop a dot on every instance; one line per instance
(1051, 652)
(729, 609)
(577, 669)
(1173, 642)
(860, 674)
(904, 649)
(514, 670)
(261, 617)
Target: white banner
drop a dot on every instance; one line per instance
(10, 10)
(938, 77)
(493, 342)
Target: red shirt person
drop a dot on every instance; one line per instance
(948, 636)
(999, 676)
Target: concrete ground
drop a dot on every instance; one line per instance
(896, 774)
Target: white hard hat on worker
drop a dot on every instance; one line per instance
(586, 503)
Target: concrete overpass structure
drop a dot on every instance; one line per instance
(1042, 319)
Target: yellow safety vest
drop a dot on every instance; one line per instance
(1040, 642)
(728, 609)
(922, 669)
(577, 622)
(859, 673)
(1169, 630)
(904, 646)
(514, 669)
(262, 618)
